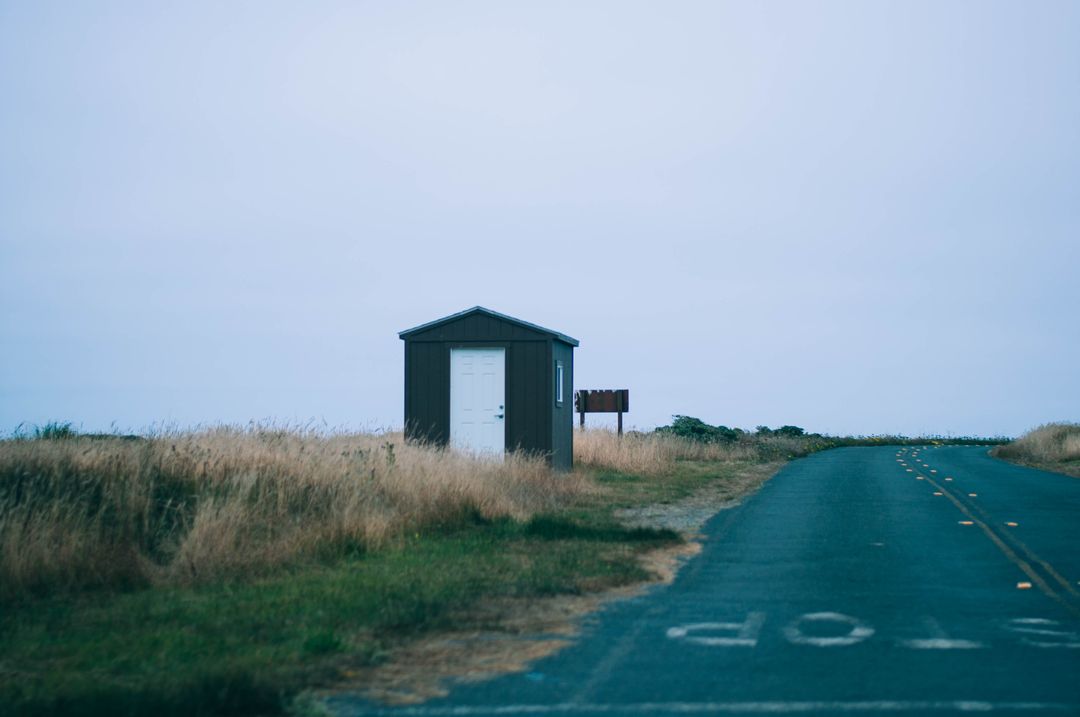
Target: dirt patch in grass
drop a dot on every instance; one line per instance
(687, 515)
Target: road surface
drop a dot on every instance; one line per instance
(933, 580)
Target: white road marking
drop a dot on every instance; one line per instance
(1040, 627)
(940, 640)
(942, 644)
(774, 707)
(746, 633)
(1030, 631)
(858, 631)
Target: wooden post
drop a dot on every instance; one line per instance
(581, 406)
(619, 408)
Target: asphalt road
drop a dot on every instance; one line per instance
(857, 581)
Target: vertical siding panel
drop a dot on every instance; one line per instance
(521, 400)
(511, 401)
(556, 410)
(442, 360)
(541, 377)
(527, 383)
(524, 379)
(440, 392)
(427, 405)
(527, 389)
(418, 390)
(421, 396)
(422, 393)
(568, 421)
(547, 394)
(406, 397)
(415, 387)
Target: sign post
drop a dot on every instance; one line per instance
(605, 401)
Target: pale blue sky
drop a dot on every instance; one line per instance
(851, 216)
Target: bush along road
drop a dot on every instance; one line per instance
(918, 580)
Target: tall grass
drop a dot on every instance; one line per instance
(654, 454)
(175, 508)
(79, 512)
(1049, 443)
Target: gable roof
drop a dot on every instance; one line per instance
(487, 312)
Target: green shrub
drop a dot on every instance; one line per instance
(695, 429)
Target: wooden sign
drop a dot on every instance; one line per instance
(605, 401)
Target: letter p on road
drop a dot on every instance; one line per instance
(721, 634)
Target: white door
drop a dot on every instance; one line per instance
(478, 400)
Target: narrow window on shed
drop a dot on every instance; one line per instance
(558, 383)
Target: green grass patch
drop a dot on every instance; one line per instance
(244, 648)
(625, 491)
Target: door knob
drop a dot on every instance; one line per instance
(498, 415)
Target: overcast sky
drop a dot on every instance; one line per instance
(851, 216)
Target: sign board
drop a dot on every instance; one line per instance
(605, 401)
(608, 401)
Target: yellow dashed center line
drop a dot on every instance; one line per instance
(1011, 554)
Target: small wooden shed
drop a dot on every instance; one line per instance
(485, 382)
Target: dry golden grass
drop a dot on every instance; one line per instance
(187, 507)
(1054, 445)
(655, 454)
(176, 508)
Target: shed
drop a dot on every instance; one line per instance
(485, 382)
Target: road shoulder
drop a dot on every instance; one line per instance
(508, 635)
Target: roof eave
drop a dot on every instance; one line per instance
(480, 309)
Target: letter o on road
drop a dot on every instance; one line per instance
(857, 630)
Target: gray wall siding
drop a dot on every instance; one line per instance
(427, 392)
(470, 328)
(562, 417)
(533, 422)
(527, 415)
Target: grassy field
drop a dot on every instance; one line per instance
(1052, 447)
(221, 572)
